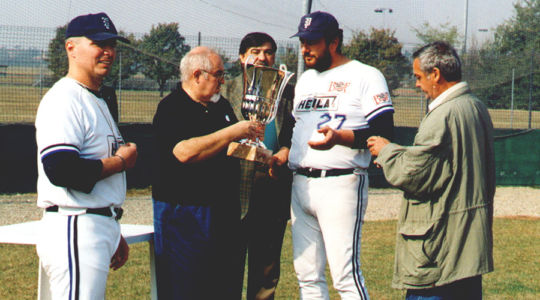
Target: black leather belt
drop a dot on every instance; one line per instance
(310, 172)
(102, 211)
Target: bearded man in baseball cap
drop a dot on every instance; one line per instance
(338, 104)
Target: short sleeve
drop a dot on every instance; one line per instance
(59, 124)
(376, 97)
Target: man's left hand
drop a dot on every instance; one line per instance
(329, 140)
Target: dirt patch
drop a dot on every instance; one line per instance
(383, 204)
(509, 201)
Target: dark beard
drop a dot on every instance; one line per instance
(324, 62)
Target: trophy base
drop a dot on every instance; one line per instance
(247, 152)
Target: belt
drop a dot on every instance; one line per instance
(102, 211)
(310, 172)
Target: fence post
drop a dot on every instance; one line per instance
(120, 86)
(306, 9)
(531, 85)
(466, 18)
(512, 102)
(41, 75)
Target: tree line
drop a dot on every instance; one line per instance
(156, 55)
(487, 68)
(505, 67)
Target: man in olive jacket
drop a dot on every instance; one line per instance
(444, 234)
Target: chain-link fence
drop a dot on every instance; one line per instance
(26, 75)
(509, 84)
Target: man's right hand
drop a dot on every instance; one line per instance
(249, 129)
(376, 143)
(201, 148)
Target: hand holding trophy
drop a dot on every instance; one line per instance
(263, 88)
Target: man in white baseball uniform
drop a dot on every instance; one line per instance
(82, 159)
(338, 104)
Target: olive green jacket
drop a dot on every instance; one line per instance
(444, 230)
(233, 91)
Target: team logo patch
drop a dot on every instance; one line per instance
(106, 22)
(322, 103)
(339, 86)
(382, 97)
(307, 22)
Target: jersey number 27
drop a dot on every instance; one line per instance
(327, 118)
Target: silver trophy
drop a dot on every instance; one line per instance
(263, 88)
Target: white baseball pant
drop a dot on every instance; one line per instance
(327, 215)
(76, 252)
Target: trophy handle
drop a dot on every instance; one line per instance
(253, 88)
(286, 77)
(250, 61)
(260, 102)
(246, 107)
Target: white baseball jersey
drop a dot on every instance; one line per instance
(344, 97)
(71, 118)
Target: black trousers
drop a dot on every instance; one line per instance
(262, 232)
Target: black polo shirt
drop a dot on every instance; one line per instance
(212, 181)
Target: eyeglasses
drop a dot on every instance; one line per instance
(219, 75)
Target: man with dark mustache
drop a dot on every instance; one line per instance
(338, 104)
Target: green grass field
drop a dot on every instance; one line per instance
(19, 101)
(516, 248)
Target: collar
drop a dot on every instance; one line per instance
(184, 95)
(445, 95)
(98, 93)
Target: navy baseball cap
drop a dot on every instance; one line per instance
(97, 27)
(316, 25)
